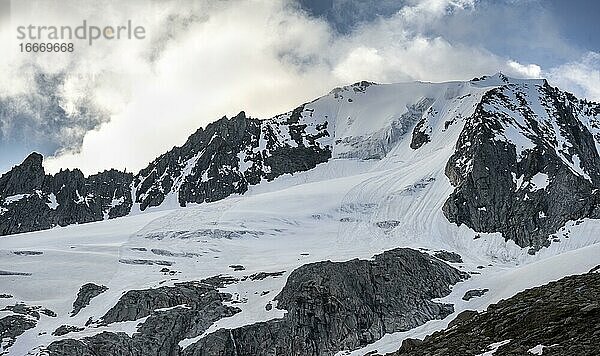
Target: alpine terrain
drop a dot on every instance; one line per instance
(457, 218)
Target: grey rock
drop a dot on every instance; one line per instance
(174, 313)
(137, 304)
(452, 257)
(474, 293)
(86, 293)
(29, 310)
(78, 199)
(161, 252)
(483, 169)
(553, 315)
(13, 273)
(387, 224)
(262, 275)
(410, 344)
(137, 261)
(333, 306)
(65, 329)
(12, 326)
(24, 178)
(462, 317)
(28, 253)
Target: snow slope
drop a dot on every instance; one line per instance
(346, 208)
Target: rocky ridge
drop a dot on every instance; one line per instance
(526, 163)
(559, 318)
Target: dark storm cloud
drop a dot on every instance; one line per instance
(38, 121)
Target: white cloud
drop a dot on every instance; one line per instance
(239, 58)
(582, 77)
(525, 70)
(206, 59)
(363, 62)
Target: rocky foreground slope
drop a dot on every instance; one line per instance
(330, 306)
(559, 318)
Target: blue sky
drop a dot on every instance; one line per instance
(508, 27)
(120, 104)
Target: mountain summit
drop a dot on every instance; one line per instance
(524, 162)
(354, 224)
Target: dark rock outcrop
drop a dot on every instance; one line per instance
(31, 200)
(452, 257)
(528, 189)
(12, 326)
(474, 293)
(331, 306)
(24, 178)
(262, 275)
(231, 154)
(562, 316)
(343, 305)
(85, 294)
(24, 317)
(65, 329)
(174, 313)
(29, 310)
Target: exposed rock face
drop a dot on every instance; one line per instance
(136, 304)
(421, 132)
(65, 329)
(343, 305)
(25, 178)
(331, 306)
(173, 313)
(452, 257)
(30, 200)
(14, 325)
(24, 317)
(223, 159)
(229, 155)
(29, 310)
(561, 318)
(85, 294)
(474, 293)
(526, 163)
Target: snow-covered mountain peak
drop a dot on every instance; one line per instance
(497, 176)
(546, 139)
(500, 79)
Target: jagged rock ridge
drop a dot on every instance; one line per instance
(230, 155)
(33, 200)
(223, 159)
